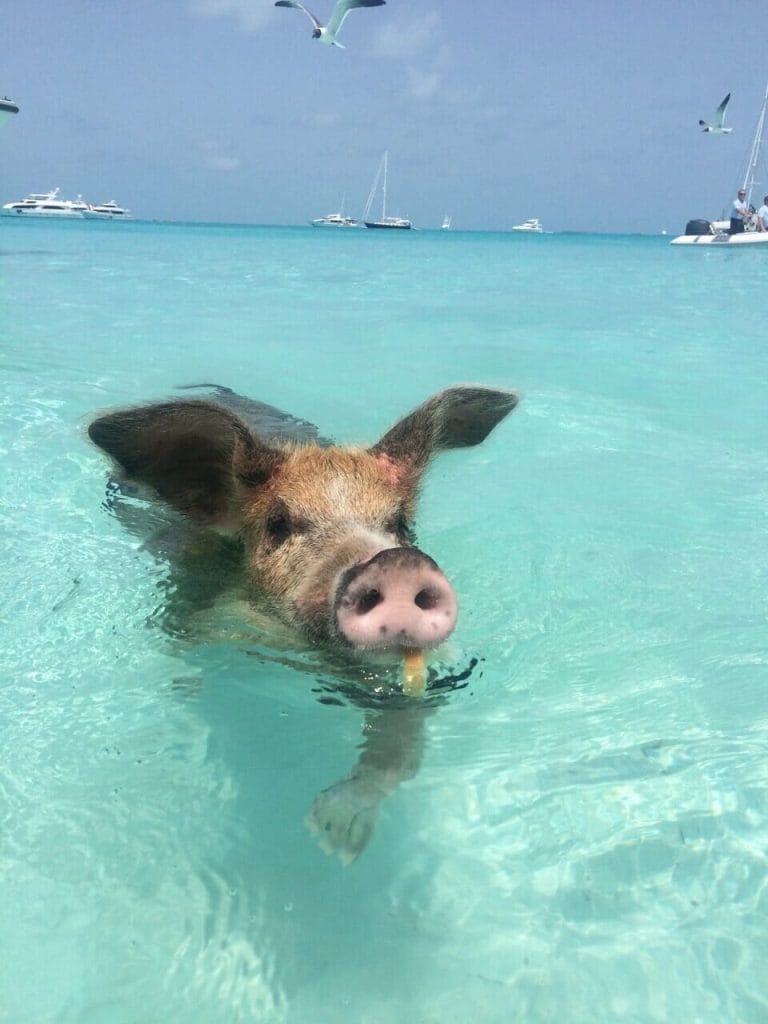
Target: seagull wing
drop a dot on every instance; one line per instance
(342, 9)
(720, 112)
(300, 7)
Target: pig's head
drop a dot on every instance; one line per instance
(327, 531)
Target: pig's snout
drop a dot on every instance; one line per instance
(399, 598)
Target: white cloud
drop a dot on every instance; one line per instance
(416, 38)
(223, 163)
(214, 159)
(424, 84)
(247, 13)
(407, 33)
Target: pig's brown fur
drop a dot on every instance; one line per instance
(306, 513)
(342, 509)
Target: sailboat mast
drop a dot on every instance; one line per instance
(384, 189)
(749, 177)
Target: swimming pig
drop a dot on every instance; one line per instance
(327, 530)
(327, 538)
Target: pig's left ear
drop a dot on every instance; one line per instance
(458, 417)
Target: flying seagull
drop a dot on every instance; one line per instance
(716, 127)
(327, 33)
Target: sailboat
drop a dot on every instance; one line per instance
(446, 225)
(384, 221)
(705, 232)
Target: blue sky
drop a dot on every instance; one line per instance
(583, 114)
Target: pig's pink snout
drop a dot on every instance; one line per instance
(400, 598)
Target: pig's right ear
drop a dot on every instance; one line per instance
(458, 417)
(195, 455)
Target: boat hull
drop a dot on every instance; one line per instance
(57, 214)
(7, 109)
(722, 238)
(322, 222)
(387, 227)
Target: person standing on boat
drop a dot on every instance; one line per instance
(740, 213)
(762, 216)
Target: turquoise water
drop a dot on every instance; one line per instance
(585, 839)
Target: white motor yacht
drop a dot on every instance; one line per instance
(532, 224)
(47, 204)
(108, 211)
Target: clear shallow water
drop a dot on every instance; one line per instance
(586, 837)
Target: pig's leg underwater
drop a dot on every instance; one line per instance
(344, 815)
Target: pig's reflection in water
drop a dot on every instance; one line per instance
(319, 566)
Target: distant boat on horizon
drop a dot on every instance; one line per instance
(531, 225)
(336, 220)
(446, 225)
(7, 109)
(107, 211)
(384, 221)
(49, 204)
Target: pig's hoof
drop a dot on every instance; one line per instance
(343, 818)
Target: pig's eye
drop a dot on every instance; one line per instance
(279, 527)
(400, 527)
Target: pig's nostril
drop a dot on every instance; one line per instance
(425, 599)
(368, 601)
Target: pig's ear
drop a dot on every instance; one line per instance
(455, 418)
(193, 454)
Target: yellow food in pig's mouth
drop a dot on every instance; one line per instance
(414, 673)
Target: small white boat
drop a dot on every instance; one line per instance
(717, 232)
(336, 220)
(46, 204)
(108, 211)
(384, 221)
(446, 225)
(532, 224)
(7, 109)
